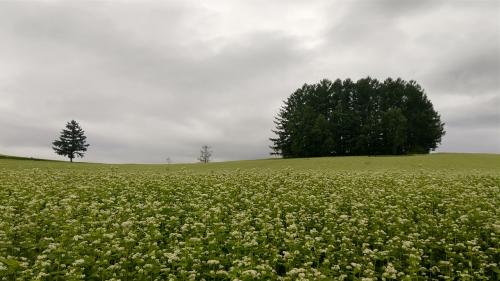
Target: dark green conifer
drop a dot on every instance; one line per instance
(71, 142)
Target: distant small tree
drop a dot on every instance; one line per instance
(71, 142)
(205, 154)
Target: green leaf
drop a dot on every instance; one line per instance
(11, 263)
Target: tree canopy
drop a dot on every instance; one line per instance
(71, 142)
(366, 117)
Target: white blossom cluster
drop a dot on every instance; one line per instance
(96, 223)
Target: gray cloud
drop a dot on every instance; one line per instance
(148, 80)
(477, 73)
(483, 113)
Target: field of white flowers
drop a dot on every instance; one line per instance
(106, 223)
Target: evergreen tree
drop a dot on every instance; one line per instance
(394, 127)
(71, 142)
(365, 117)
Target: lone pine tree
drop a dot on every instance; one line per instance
(71, 142)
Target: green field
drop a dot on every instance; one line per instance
(346, 218)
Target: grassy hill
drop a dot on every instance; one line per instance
(19, 158)
(446, 162)
(432, 162)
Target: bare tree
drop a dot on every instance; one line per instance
(205, 154)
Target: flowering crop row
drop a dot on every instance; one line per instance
(108, 224)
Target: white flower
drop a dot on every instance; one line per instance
(212, 262)
(78, 262)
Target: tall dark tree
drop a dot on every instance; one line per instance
(366, 117)
(72, 142)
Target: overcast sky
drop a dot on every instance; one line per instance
(151, 79)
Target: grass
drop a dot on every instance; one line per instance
(417, 217)
(21, 158)
(445, 162)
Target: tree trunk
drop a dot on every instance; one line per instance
(71, 160)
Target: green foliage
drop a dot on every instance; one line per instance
(362, 118)
(71, 142)
(393, 127)
(299, 219)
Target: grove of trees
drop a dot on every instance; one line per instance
(366, 117)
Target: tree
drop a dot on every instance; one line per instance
(394, 131)
(366, 117)
(71, 142)
(205, 154)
